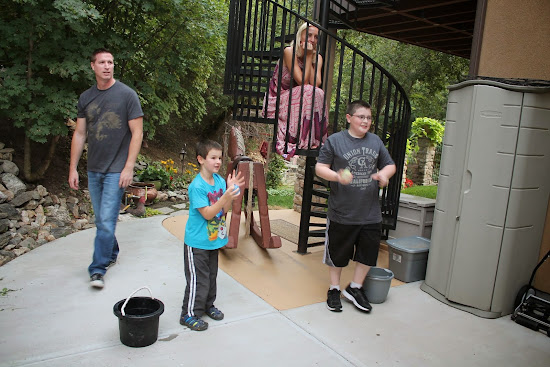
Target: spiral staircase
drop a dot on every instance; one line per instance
(258, 32)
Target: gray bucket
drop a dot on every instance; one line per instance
(377, 284)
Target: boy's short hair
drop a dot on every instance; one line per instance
(355, 105)
(205, 146)
(98, 51)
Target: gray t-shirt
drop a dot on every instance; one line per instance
(358, 202)
(107, 113)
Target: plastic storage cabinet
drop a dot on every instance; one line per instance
(494, 185)
(409, 257)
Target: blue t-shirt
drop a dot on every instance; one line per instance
(200, 233)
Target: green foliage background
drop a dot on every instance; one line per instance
(424, 74)
(169, 51)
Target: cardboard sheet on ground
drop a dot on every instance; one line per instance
(281, 277)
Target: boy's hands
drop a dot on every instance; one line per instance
(382, 180)
(344, 176)
(232, 180)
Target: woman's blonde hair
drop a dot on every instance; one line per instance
(298, 39)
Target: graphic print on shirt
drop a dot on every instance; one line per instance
(105, 120)
(362, 164)
(216, 226)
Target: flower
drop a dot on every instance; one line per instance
(408, 183)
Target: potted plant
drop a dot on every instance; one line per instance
(155, 173)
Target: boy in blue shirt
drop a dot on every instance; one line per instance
(356, 163)
(205, 233)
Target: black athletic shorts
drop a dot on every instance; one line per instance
(346, 242)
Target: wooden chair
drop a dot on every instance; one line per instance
(253, 173)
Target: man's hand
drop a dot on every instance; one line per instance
(126, 177)
(73, 179)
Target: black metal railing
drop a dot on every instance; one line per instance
(259, 30)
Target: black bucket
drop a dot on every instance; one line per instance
(138, 319)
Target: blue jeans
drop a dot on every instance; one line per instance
(106, 196)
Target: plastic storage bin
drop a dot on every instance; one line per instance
(409, 257)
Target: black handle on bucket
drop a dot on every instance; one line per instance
(130, 296)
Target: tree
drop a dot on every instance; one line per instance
(167, 50)
(424, 74)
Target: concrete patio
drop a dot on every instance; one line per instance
(49, 316)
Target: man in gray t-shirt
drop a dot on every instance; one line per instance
(111, 119)
(356, 163)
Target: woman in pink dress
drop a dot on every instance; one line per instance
(311, 116)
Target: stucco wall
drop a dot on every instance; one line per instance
(516, 40)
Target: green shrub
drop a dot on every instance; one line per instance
(275, 169)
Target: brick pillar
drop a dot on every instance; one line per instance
(421, 166)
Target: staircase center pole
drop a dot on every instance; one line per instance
(307, 193)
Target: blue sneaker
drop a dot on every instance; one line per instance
(214, 313)
(193, 323)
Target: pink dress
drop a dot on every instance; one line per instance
(317, 128)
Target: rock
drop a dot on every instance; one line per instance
(3, 197)
(20, 251)
(31, 205)
(3, 215)
(4, 225)
(59, 216)
(41, 190)
(162, 196)
(13, 184)
(2, 145)
(46, 201)
(7, 154)
(7, 253)
(4, 239)
(74, 210)
(24, 230)
(55, 200)
(9, 210)
(50, 237)
(4, 260)
(40, 219)
(28, 243)
(16, 239)
(22, 198)
(42, 234)
(10, 167)
(79, 224)
(25, 217)
(84, 208)
(9, 194)
(61, 231)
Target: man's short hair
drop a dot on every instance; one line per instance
(205, 146)
(355, 105)
(99, 51)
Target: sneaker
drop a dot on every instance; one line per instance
(333, 300)
(214, 313)
(96, 281)
(358, 297)
(193, 323)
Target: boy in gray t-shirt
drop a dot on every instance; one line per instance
(356, 163)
